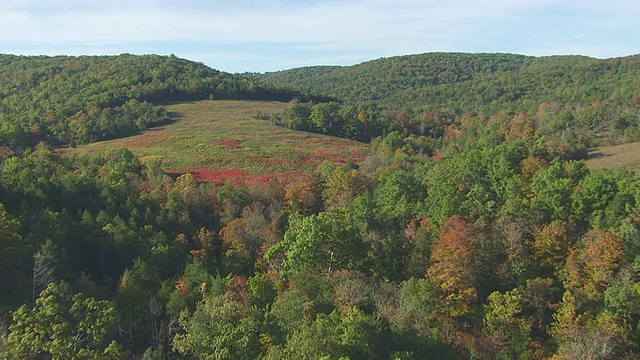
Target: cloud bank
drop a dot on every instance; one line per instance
(251, 35)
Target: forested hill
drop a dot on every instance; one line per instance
(460, 236)
(83, 99)
(459, 82)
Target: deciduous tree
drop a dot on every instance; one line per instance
(63, 325)
(453, 266)
(220, 328)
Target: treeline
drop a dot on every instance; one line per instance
(556, 129)
(77, 100)
(485, 84)
(362, 121)
(489, 248)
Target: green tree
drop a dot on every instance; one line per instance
(326, 119)
(262, 290)
(622, 296)
(473, 184)
(415, 319)
(322, 243)
(220, 328)
(506, 325)
(297, 116)
(354, 335)
(62, 325)
(398, 196)
(11, 252)
(290, 310)
(553, 188)
(594, 194)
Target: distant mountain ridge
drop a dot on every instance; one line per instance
(463, 82)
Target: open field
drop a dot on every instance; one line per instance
(222, 140)
(609, 157)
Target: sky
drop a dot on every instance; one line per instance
(271, 35)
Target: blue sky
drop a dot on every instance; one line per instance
(270, 35)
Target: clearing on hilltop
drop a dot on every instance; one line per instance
(220, 140)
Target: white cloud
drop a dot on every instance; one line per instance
(345, 31)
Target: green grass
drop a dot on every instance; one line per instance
(609, 157)
(225, 136)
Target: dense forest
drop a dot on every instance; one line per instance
(482, 83)
(443, 86)
(575, 102)
(461, 235)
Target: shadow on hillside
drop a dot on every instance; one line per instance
(597, 155)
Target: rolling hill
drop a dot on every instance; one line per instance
(461, 82)
(84, 99)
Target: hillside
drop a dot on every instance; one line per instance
(65, 99)
(460, 82)
(479, 234)
(223, 140)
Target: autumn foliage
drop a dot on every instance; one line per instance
(452, 265)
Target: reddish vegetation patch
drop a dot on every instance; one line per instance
(220, 176)
(230, 144)
(237, 178)
(284, 178)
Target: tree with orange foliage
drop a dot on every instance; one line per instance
(551, 245)
(452, 266)
(205, 247)
(590, 269)
(304, 196)
(236, 253)
(242, 239)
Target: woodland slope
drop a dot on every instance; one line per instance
(475, 83)
(69, 100)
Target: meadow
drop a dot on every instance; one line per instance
(223, 140)
(610, 157)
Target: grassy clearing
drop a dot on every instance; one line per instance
(219, 140)
(610, 157)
